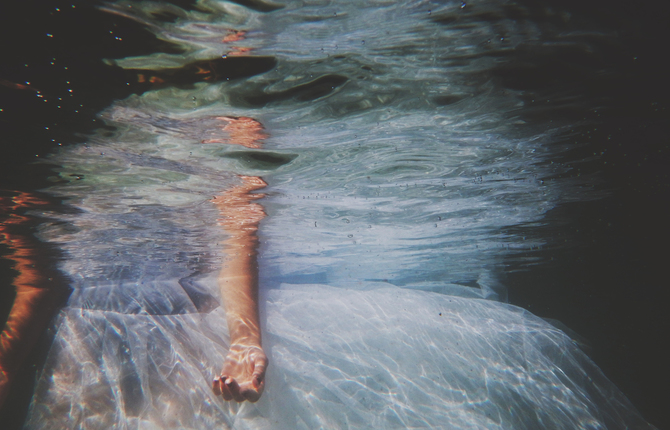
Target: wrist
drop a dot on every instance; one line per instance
(246, 342)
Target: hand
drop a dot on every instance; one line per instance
(243, 374)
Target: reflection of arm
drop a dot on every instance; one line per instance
(243, 374)
(38, 296)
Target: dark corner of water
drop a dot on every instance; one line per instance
(603, 265)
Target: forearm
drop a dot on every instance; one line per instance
(238, 282)
(238, 279)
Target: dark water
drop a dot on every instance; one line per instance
(610, 286)
(599, 268)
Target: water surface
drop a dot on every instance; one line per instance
(417, 145)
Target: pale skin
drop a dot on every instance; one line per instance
(243, 375)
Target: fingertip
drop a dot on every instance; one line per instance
(225, 388)
(231, 382)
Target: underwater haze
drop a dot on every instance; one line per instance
(416, 154)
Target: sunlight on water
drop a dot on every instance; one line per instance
(392, 159)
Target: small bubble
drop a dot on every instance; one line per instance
(430, 12)
(463, 4)
(346, 221)
(350, 236)
(362, 42)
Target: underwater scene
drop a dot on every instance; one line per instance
(435, 214)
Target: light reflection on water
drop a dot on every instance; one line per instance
(425, 188)
(393, 158)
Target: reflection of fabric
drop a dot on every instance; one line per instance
(385, 358)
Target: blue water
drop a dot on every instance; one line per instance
(398, 167)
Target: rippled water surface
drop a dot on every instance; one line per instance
(391, 153)
(412, 152)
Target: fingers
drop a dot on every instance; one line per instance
(229, 389)
(258, 376)
(234, 389)
(247, 365)
(251, 395)
(254, 388)
(221, 388)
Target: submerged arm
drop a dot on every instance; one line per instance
(243, 374)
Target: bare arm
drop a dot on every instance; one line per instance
(243, 374)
